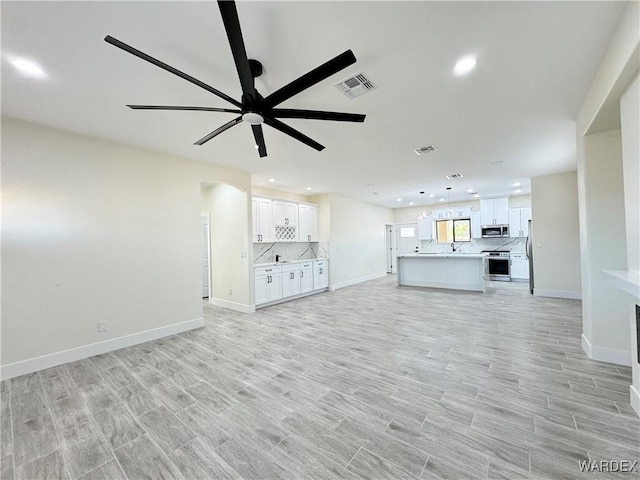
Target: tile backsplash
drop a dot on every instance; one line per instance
(289, 251)
(476, 245)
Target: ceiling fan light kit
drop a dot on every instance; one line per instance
(253, 108)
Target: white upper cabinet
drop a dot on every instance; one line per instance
(519, 221)
(276, 220)
(425, 228)
(494, 211)
(307, 223)
(476, 225)
(456, 212)
(263, 226)
(285, 213)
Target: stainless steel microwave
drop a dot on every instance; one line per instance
(495, 231)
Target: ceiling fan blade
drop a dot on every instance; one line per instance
(176, 107)
(219, 130)
(259, 137)
(317, 115)
(234, 34)
(311, 78)
(292, 132)
(127, 48)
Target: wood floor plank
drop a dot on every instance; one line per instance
(141, 458)
(109, 471)
(373, 380)
(47, 467)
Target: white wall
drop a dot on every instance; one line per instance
(630, 121)
(357, 243)
(630, 125)
(556, 237)
(95, 231)
(606, 310)
(272, 192)
(226, 206)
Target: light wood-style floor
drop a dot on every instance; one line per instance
(371, 381)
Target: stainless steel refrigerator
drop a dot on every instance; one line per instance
(530, 257)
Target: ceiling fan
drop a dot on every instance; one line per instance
(253, 108)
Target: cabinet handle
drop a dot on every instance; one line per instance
(302, 274)
(308, 238)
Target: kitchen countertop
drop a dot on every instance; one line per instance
(445, 255)
(289, 262)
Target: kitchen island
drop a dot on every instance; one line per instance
(459, 271)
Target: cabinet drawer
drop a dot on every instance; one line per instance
(320, 264)
(267, 270)
(518, 257)
(306, 266)
(294, 267)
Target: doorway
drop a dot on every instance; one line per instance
(204, 222)
(390, 248)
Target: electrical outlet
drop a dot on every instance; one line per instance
(102, 326)
(230, 292)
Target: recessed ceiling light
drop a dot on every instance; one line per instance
(497, 162)
(441, 200)
(465, 65)
(28, 67)
(517, 191)
(431, 195)
(411, 203)
(272, 180)
(398, 199)
(476, 196)
(470, 190)
(308, 189)
(517, 184)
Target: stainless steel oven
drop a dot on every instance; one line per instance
(498, 268)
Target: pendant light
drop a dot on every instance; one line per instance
(449, 212)
(422, 215)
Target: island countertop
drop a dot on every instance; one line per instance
(445, 254)
(458, 271)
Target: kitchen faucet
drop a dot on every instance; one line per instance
(453, 246)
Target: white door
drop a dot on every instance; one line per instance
(262, 289)
(407, 238)
(266, 230)
(391, 264)
(306, 280)
(205, 255)
(307, 223)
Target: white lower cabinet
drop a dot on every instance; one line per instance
(275, 283)
(306, 277)
(320, 274)
(290, 280)
(268, 282)
(519, 266)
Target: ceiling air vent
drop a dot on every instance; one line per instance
(423, 150)
(455, 175)
(355, 86)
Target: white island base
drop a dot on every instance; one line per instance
(454, 271)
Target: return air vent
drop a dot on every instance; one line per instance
(355, 86)
(455, 175)
(423, 150)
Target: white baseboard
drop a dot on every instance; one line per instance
(347, 283)
(53, 359)
(604, 354)
(635, 399)
(238, 307)
(557, 294)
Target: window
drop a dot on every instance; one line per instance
(407, 232)
(448, 231)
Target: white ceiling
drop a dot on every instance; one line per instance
(536, 61)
